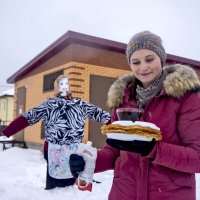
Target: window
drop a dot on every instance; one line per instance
(48, 80)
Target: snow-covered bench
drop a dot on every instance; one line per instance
(11, 142)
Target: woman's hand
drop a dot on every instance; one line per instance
(137, 146)
(77, 164)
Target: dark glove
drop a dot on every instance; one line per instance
(137, 146)
(77, 164)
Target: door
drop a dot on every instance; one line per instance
(99, 86)
(21, 102)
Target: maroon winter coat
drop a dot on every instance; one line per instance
(168, 172)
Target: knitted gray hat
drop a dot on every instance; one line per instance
(146, 40)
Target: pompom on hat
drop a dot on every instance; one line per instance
(146, 40)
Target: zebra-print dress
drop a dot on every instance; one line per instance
(64, 120)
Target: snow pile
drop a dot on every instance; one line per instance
(23, 176)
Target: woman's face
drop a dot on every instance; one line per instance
(146, 66)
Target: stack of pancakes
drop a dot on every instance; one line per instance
(144, 129)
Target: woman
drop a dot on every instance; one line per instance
(170, 99)
(64, 119)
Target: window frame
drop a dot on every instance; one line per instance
(48, 80)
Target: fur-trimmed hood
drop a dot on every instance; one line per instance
(179, 80)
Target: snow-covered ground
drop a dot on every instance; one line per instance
(23, 175)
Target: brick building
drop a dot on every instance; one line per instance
(91, 63)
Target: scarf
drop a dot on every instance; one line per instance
(144, 95)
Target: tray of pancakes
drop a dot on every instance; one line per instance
(129, 131)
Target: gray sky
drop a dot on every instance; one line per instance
(29, 26)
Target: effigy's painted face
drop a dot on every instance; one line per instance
(63, 86)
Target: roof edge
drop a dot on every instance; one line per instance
(70, 37)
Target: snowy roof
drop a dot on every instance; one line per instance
(9, 92)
